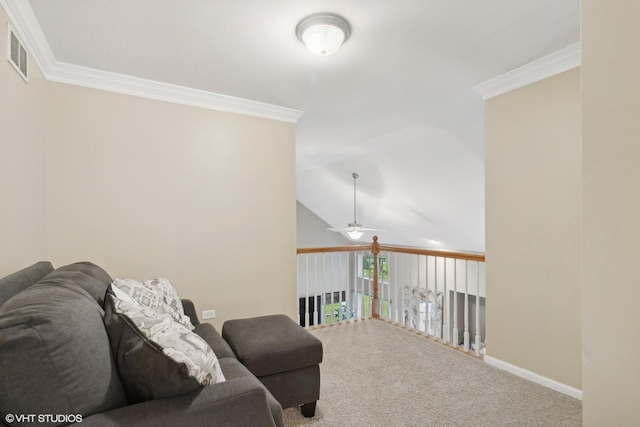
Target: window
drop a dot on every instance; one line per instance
(366, 265)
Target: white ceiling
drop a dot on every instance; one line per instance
(396, 104)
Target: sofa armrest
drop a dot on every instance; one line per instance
(238, 402)
(190, 310)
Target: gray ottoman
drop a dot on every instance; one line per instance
(282, 354)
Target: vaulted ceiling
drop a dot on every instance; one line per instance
(396, 104)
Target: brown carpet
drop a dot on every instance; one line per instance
(377, 374)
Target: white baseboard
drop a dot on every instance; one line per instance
(536, 378)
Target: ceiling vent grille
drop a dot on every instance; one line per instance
(17, 54)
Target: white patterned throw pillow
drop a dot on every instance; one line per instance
(158, 295)
(176, 340)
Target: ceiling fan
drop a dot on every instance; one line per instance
(354, 230)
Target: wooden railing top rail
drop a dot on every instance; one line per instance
(399, 249)
(353, 248)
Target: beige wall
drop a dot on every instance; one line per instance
(22, 163)
(533, 221)
(146, 188)
(611, 210)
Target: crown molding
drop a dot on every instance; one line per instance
(24, 21)
(103, 80)
(542, 68)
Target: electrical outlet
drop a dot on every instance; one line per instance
(208, 314)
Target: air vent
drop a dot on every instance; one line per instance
(17, 54)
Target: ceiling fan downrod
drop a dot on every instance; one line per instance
(355, 177)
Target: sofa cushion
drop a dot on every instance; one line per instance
(158, 295)
(20, 280)
(233, 369)
(209, 333)
(156, 357)
(240, 402)
(55, 354)
(88, 276)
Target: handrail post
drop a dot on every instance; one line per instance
(375, 250)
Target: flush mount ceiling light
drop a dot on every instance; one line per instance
(354, 230)
(323, 33)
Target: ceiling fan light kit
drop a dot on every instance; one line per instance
(354, 230)
(323, 33)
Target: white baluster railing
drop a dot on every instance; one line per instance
(434, 293)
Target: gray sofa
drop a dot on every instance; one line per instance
(57, 365)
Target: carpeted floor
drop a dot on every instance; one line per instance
(377, 374)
